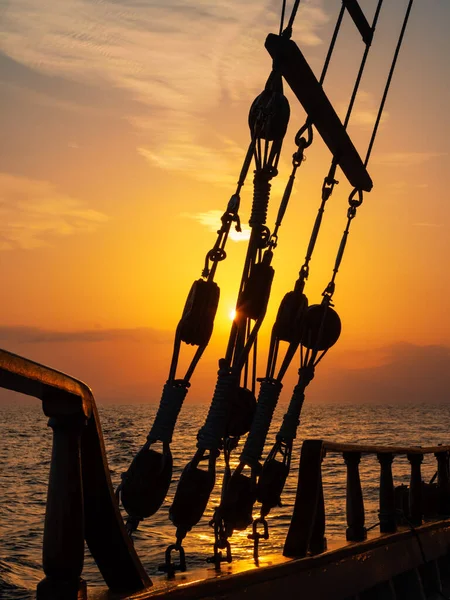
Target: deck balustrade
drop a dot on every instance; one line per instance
(308, 520)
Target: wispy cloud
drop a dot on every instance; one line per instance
(182, 59)
(211, 220)
(406, 159)
(33, 213)
(311, 18)
(203, 162)
(365, 111)
(35, 335)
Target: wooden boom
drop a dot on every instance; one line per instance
(294, 68)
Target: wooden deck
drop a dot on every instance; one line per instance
(390, 566)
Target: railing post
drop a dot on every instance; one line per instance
(415, 489)
(63, 553)
(356, 532)
(318, 541)
(308, 502)
(443, 481)
(387, 500)
(73, 487)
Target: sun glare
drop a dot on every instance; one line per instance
(232, 314)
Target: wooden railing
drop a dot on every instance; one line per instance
(80, 502)
(306, 534)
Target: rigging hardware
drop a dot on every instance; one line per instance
(268, 119)
(322, 324)
(241, 491)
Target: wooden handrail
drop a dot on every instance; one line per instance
(33, 379)
(308, 514)
(80, 502)
(370, 449)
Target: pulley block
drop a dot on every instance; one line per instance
(322, 327)
(271, 483)
(290, 317)
(256, 293)
(242, 411)
(197, 322)
(270, 111)
(237, 504)
(145, 484)
(191, 497)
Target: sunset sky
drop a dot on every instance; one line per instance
(124, 127)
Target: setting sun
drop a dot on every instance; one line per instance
(232, 314)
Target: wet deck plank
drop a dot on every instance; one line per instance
(336, 574)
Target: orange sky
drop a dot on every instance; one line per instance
(124, 128)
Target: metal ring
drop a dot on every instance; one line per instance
(217, 254)
(300, 140)
(356, 202)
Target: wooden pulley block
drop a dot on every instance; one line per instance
(290, 317)
(256, 293)
(271, 483)
(322, 327)
(271, 108)
(242, 411)
(146, 482)
(197, 321)
(237, 504)
(191, 497)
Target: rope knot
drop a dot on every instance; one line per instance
(306, 374)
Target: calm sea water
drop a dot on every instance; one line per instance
(25, 448)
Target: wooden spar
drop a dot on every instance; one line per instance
(294, 68)
(359, 20)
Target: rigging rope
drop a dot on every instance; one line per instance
(288, 31)
(287, 327)
(388, 82)
(322, 334)
(283, 10)
(321, 329)
(145, 484)
(268, 119)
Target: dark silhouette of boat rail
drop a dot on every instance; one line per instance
(80, 502)
(406, 562)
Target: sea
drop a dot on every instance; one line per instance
(25, 449)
